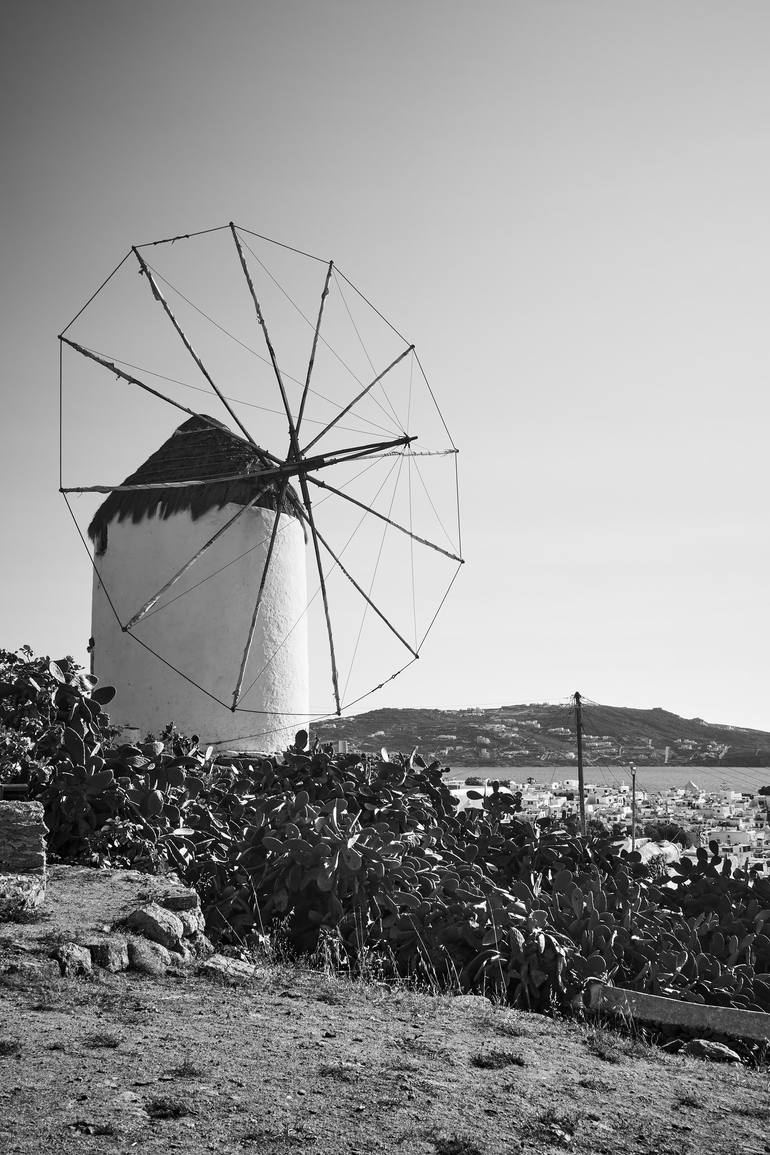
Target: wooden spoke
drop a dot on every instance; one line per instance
(268, 342)
(311, 362)
(319, 567)
(355, 400)
(145, 609)
(363, 593)
(260, 592)
(361, 505)
(186, 342)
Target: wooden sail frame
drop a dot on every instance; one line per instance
(299, 463)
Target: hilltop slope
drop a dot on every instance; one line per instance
(298, 1061)
(523, 734)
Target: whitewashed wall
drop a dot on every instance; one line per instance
(203, 633)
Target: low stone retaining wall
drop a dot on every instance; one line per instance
(692, 1017)
(22, 858)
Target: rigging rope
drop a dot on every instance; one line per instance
(371, 584)
(366, 353)
(317, 592)
(248, 551)
(237, 400)
(249, 349)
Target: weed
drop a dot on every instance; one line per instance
(342, 1072)
(83, 1127)
(456, 1145)
(425, 1049)
(294, 1134)
(494, 1060)
(689, 1101)
(509, 1029)
(101, 1041)
(551, 1126)
(605, 1049)
(9, 1047)
(162, 1108)
(753, 1112)
(186, 1070)
(592, 1084)
(46, 1001)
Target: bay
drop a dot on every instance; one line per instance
(652, 779)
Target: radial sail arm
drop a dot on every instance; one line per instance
(361, 505)
(362, 592)
(356, 399)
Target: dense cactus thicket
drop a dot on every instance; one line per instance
(372, 858)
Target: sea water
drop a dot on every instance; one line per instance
(651, 779)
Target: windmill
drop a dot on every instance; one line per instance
(228, 555)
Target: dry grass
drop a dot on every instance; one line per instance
(162, 1107)
(495, 1060)
(102, 1041)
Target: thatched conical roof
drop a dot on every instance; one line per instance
(202, 449)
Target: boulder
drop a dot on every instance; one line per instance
(231, 970)
(183, 955)
(27, 969)
(20, 894)
(150, 958)
(73, 959)
(201, 945)
(192, 921)
(706, 1049)
(158, 924)
(181, 899)
(111, 954)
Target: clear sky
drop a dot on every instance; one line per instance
(564, 204)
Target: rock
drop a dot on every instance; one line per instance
(200, 945)
(111, 954)
(706, 1049)
(22, 838)
(148, 957)
(182, 955)
(181, 899)
(158, 924)
(73, 959)
(192, 921)
(231, 970)
(28, 969)
(20, 894)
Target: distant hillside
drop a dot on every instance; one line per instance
(526, 734)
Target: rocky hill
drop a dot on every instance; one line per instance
(525, 734)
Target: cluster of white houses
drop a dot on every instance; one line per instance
(736, 820)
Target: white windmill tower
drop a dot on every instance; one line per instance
(215, 570)
(158, 525)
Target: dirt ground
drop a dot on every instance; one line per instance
(299, 1061)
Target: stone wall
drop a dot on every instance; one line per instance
(22, 838)
(22, 858)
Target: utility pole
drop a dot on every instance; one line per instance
(633, 807)
(581, 783)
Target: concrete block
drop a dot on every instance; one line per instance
(693, 1017)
